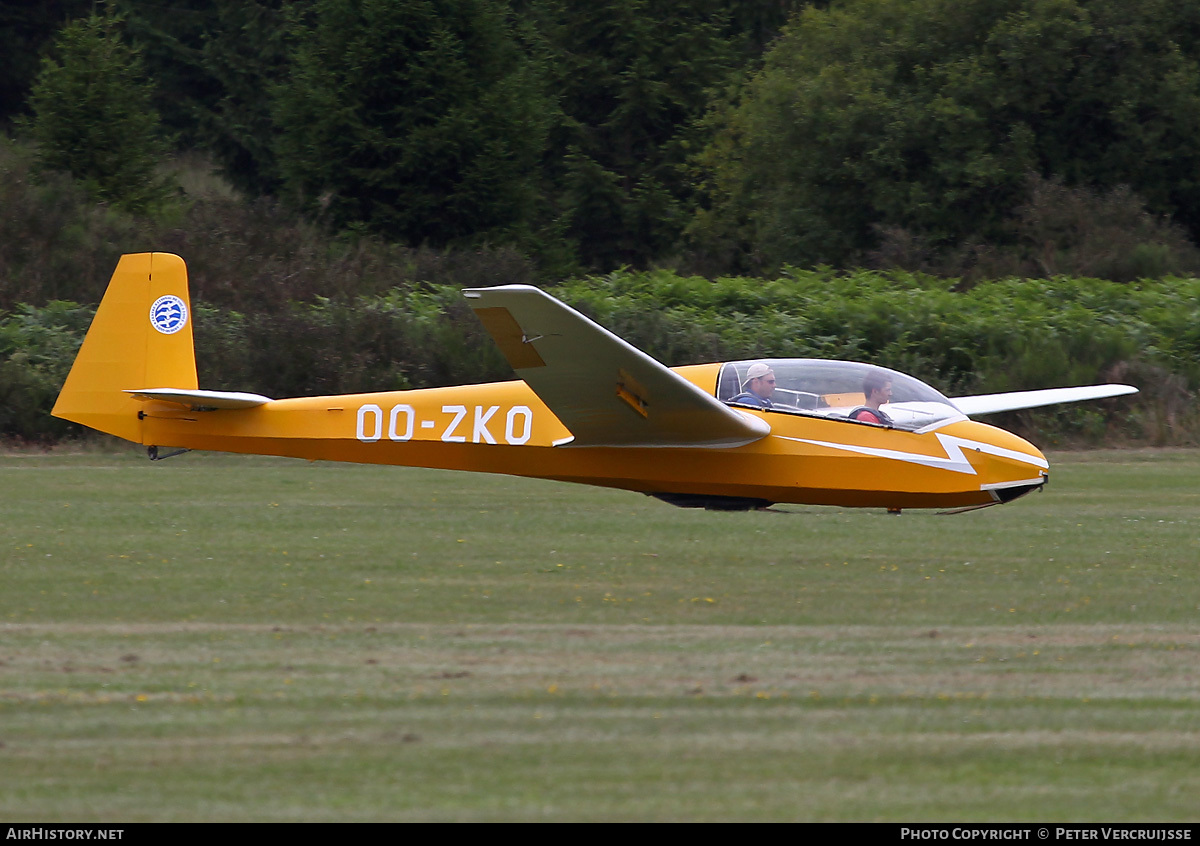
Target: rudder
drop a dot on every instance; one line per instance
(140, 338)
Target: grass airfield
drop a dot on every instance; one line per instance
(249, 639)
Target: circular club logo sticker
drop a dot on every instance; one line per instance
(168, 314)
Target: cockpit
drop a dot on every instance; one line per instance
(834, 389)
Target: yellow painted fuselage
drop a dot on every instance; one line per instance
(505, 428)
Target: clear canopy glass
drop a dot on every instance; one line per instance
(835, 389)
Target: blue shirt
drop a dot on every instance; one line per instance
(748, 398)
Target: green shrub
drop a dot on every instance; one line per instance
(404, 339)
(37, 347)
(998, 336)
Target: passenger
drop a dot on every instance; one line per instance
(877, 388)
(758, 387)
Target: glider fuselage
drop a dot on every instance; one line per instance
(505, 428)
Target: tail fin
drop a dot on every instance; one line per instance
(141, 337)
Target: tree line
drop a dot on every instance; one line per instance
(555, 127)
(967, 138)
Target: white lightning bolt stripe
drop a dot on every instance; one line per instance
(954, 460)
(1019, 483)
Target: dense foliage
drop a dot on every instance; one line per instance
(375, 156)
(92, 116)
(640, 133)
(931, 114)
(630, 78)
(1002, 335)
(421, 120)
(556, 128)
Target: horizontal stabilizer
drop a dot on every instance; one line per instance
(604, 390)
(1016, 400)
(202, 400)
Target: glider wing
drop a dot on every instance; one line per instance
(604, 390)
(989, 403)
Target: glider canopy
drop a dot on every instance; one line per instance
(822, 388)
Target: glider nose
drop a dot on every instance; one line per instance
(1017, 467)
(1008, 491)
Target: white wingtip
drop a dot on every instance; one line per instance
(1017, 400)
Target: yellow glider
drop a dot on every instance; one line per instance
(588, 408)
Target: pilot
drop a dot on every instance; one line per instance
(758, 387)
(877, 388)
